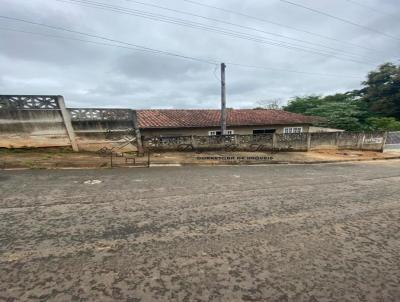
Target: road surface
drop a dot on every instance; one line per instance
(266, 233)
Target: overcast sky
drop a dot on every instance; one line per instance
(92, 75)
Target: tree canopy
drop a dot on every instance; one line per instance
(375, 107)
(382, 91)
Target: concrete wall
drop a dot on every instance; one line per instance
(373, 141)
(269, 142)
(104, 128)
(43, 121)
(24, 122)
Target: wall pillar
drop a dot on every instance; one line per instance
(67, 122)
(337, 136)
(361, 140)
(137, 131)
(274, 142)
(308, 141)
(385, 137)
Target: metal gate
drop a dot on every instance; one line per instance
(393, 141)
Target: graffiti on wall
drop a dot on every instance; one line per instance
(120, 139)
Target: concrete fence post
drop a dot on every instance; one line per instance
(360, 140)
(193, 142)
(337, 134)
(308, 141)
(135, 125)
(385, 137)
(274, 142)
(67, 122)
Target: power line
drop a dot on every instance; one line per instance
(280, 70)
(340, 19)
(139, 47)
(154, 51)
(372, 8)
(236, 25)
(223, 31)
(278, 24)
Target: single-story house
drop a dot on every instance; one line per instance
(182, 122)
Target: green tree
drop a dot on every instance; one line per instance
(339, 115)
(303, 104)
(375, 107)
(341, 111)
(383, 123)
(382, 91)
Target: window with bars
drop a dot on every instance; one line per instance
(218, 132)
(289, 130)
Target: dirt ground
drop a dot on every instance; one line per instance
(63, 158)
(325, 232)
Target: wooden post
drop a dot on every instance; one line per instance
(148, 158)
(67, 122)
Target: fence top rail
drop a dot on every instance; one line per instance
(101, 114)
(29, 102)
(101, 108)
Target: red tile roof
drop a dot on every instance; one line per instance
(182, 118)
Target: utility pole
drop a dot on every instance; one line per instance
(223, 100)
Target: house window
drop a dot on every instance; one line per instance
(289, 130)
(264, 131)
(218, 132)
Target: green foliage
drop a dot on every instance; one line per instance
(339, 111)
(303, 104)
(382, 91)
(375, 107)
(384, 123)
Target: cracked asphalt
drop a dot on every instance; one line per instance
(259, 233)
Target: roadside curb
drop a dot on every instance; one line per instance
(227, 163)
(273, 162)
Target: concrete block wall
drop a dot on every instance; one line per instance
(269, 142)
(105, 128)
(43, 121)
(31, 121)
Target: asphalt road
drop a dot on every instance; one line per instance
(272, 233)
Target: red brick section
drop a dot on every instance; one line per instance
(171, 118)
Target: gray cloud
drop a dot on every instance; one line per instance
(94, 75)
